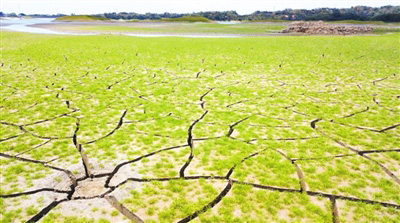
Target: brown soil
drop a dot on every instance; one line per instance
(325, 29)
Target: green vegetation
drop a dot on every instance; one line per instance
(362, 22)
(386, 30)
(80, 18)
(187, 19)
(359, 13)
(269, 20)
(257, 129)
(171, 27)
(267, 206)
(359, 212)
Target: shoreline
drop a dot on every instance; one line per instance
(155, 29)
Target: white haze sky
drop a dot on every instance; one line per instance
(178, 6)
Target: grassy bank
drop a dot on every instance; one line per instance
(80, 18)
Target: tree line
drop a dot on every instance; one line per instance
(361, 13)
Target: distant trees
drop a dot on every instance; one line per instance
(12, 14)
(388, 17)
(362, 13)
(219, 16)
(2, 14)
(388, 14)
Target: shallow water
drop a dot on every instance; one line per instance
(25, 25)
(229, 22)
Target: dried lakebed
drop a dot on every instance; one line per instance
(120, 129)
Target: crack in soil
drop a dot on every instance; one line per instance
(75, 192)
(378, 80)
(69, 174)
(360, 153)
(236, 103)
(210, 205)
(121, 121)
(300, 174)
(377, 103)
(228, 175)
(367, 128)
(45, 210)
(286, 139)
(314, 122)
(219, 197)
(123, 210)
(231, 127)
(335, 212)
(50, 119)
(33, 192)
(111, 175)
(387, 171)
(21, 127)
(378, 151)
(117, 82)
(11, 137)
(355, 113)
(41, 137)
(324, 157)
(35, 147)
(190, 143)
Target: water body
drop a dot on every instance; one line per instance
(229, 22)
(25, 25)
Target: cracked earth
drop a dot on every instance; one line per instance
(169, 144)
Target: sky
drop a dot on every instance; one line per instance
(177, 6)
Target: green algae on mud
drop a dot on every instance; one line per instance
(130, 102)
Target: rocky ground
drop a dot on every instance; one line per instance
(326, 29)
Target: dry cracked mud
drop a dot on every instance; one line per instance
(124, 147)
